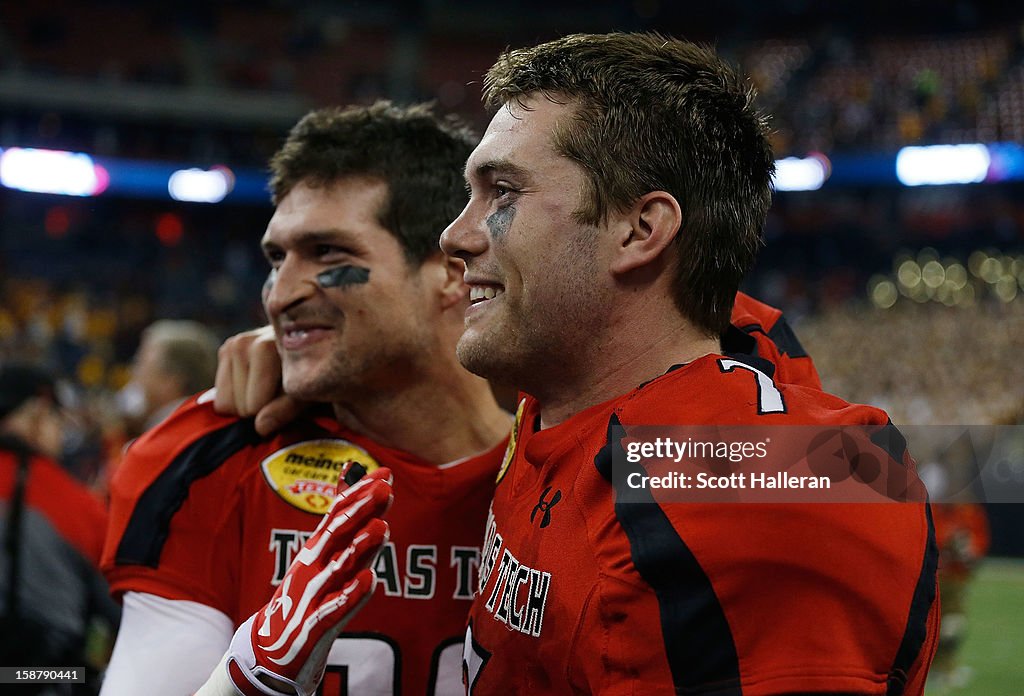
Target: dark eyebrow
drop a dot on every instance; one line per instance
(501, 166)
(334, 236)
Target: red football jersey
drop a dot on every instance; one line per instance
(773, 340)
(204, 509)
(583, 592)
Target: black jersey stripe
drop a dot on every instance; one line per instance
(785, 339)
(699, 645)
(147, 530)
(738, 340)
(891, 440)
(916, 631)
(755, 361)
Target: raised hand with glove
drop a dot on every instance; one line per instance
(282, 649)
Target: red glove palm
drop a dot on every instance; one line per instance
(285, 645)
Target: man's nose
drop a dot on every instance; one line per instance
(289, 284)
(466, 236)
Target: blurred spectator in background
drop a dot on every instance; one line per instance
(56, 608)
(962, 533)
(951, 469)
(176, 358)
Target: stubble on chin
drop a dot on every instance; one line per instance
(306, 385)
(469, 357)
(482, 358)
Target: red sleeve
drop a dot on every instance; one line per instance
(775, 341)
(175, 509)
(837, 583)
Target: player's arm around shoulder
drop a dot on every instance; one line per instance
(248, 381)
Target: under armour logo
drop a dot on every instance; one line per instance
(283, 603)
(545, 507)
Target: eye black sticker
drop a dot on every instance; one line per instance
(500, 221)
(343, 276)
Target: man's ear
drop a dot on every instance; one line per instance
(453, 288)
(646, 229)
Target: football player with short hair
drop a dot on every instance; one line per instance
(208, 516)
(617, 199)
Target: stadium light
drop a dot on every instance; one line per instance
(801, 173)
(52, 171)
(933, 165)
(201, 186)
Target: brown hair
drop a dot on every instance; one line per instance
(417, 154)
(655, 113)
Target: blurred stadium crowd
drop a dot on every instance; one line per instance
(835, 78)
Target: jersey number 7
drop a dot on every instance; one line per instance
(769, 398)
